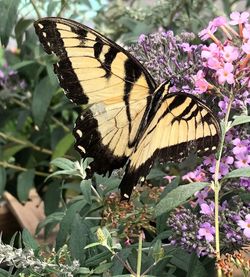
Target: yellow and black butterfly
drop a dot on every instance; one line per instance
(128, 119)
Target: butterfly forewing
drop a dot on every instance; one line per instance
(94, 70)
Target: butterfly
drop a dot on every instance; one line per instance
(126, 118)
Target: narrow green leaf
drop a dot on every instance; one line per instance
(24, 184)
(52, 197)
(240, 172)
(8, 16)
(2, 180)
(84, 270)
(86, 190)
(22, 64)
(63, 146)
(41, 100)
(177, 197)
(102, 268)
(4, 273)
(242, 119)
(28, 240)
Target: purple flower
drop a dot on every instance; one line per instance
(245, 225)
(243, 160)
(245, 183)
(240, 146)
(207, 231)
(207, 209)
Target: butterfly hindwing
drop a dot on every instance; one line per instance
(94, 70)
(181, 124)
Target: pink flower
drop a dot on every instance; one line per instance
(201, 85)
(219, 21)
(211, 51)
(246, 47)
(238, 18)
(246, 31)
(206, 231)
(245, 225)
(213, 63)
(225, 74)
(169, 178)
(230, 53)
(206, 33)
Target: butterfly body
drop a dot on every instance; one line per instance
(128, 120)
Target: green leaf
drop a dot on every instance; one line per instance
(63, 146)
(21, 64)
(28, 240)
(41, 100)
(102, 268)
(86, 190)
(52, 197)
(2, 180)
(97, 259)
(240, 172)
(10, 151)
(4, 273)
(84, 270)
(8, 16)
(177, 197)
(63, 163)
(78, 238)
(24, 184)
(66, 223)
(20, 28)
(242, 119)
(195, 267)
(52, 218)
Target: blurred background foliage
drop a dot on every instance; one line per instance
(36, 119)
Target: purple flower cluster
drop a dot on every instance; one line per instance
(195, 232)
(170, 57)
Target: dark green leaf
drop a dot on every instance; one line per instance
(78, 238)
(86, 190)
(20, 28)
(4, 273)
(195, 267)
(41, 100)
(66, 223)
(28, 240)
(22, 64)
(11, 150)
(177, 197)
(63, 146)
(24, 184)
(118, 267)
(52, 218)
(84, 270)
(52, 197)
(97, 259)
(240, 172)
(2, 180)
(8, 16)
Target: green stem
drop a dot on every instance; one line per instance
(217, 187)
(139, 256)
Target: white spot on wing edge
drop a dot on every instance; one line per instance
(125, 195)
(40, 25)
(79, 132)
(81, 148)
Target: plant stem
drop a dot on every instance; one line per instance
(139, 256)
(217, 187)
(19, 168)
